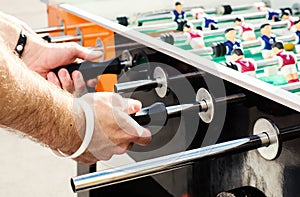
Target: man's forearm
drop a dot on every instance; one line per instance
(33, 106)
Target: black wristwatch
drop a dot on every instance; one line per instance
(21, 44)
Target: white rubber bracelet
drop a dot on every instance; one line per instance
(89, 124)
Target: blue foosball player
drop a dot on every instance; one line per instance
(179, 16)
(231, 42)
(267, 40)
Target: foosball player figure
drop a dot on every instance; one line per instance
(194, 36)
(285, 16)
(231, 42)
(273, 15)
(267, 40)
(209, 23)
(242, 64)
(287, 62)
(179, 16)
(297, 35)
(245, 31)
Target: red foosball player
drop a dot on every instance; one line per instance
(286, 16)
(242, 64)
(245, 31)
(194, 36)
(287, 63)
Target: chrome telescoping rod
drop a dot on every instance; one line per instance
(267, 141)
(50, 29)
(61, 28)
(76, 38)
(149, 84)
(67, 38)
(162, 164)
(203, 105)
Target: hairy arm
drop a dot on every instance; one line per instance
(48, 114)
(35, 107)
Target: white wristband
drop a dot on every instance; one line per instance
(89, 124)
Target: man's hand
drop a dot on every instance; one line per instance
(115, 131)
(57, 54)
(75, 84)
(42, 57)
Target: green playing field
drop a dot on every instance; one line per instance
(254, 52)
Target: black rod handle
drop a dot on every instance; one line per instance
(154, 115)
(91, 70)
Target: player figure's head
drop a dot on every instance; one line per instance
(230, 34)
(237, 53)
(178, 6)
(265, 29)
(277, 47)
(238, 20)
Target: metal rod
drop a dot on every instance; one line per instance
(242, 7)
(166, 13)
(149, 84)
(52, 29)
(201, 106)
(270, 62)
(177, 160)
(48, 29)
(75, 38)
(162, 164)
(287, 134)
(279, 24)
(266, 62)
(136, 85)
(203, 51)
(187, 75)
(70, 38)
(158, 113)
(220, 19)
(231, 98)
(255, 43)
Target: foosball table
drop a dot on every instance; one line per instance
(216, 131)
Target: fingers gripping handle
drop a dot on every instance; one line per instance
(91, 70)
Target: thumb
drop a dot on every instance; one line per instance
(90, 55)
(94, 55)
